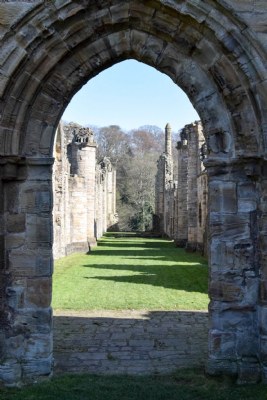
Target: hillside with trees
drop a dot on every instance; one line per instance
(134, 154)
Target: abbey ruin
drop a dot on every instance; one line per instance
(216, 51)
(84, 192)
(182, 195)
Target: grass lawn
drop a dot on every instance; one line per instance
(184, 385)
(131, 273)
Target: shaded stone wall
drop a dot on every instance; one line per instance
(84, 193)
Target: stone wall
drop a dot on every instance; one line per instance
(84, 192)
(181, 207)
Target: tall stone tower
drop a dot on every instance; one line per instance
(168, 140)
(164, 183)
(181, 232)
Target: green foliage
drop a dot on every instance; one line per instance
(134, 154)
(184, 385)
(131, 273)
(142, 219)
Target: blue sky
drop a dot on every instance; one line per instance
(131, 94)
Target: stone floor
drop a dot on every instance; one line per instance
(129, 342)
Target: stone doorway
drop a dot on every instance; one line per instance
(215, 52)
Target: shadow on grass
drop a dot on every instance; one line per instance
(190, 278)
(157, 263)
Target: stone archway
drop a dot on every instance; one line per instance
(48, 51)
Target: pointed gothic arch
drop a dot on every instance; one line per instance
(48, 51)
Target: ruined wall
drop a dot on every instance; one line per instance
(164, 187)
(105, 210)
(182, 205)
(84, 193)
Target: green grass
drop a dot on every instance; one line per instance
(131, 273)
(184, 385)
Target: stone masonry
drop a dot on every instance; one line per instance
(181, 206)
(84, 192)
(129, 342)
(216, 51)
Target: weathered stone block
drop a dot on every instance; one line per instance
(246, 190)
(263, 320)
(263, 291)
(246, 205)
(233, 227)
(251, 292)
(14, 241)
(15, 296)
(221, 367)
(40, 173)
(39, 346)
(222, 344)
(249, 372)
(36, 200)
(15, 223)
(32, 369)
(39, 232)
(12, 200)
(2, 252)
(16, 346)
(227, 290)
(22, 264)
(247, 345)
(34, 321)
(44, 266)
(228, 319)
(263, 344)
(223, 197)
(10, 372)
(39, 292)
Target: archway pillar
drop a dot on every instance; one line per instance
(234, 259)
(26, 268)
(263, 275)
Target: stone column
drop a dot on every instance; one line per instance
(159, 196)
(168, 140)
(114, 192)
(83, 165)
(104, 204)
(27, 263)
(90, 180)
(78, 215)
(234, 345)
(192, 198)
(202, 190)
(263, 275)
(181, 231)
(62, 209)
